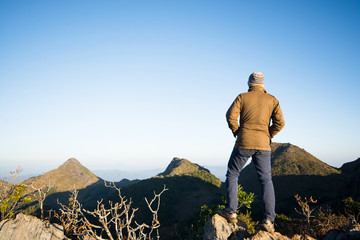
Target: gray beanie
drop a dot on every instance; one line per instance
(256, 78)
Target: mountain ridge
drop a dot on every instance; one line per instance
(183, 167)
(192, 186)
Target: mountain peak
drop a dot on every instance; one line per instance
(182, 166)
(288, 159)
(71, 174)
(72, 161)
(179, 166)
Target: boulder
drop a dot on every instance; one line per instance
(25, 227)
(217, 228)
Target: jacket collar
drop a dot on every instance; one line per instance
(257, 88)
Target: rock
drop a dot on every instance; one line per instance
(344, 233)
(266, 235)
(25, 227)
(217, 228)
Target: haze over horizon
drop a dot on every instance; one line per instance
(130, 85)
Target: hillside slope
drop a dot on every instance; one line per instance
(183, 167)
(351, 171)
(288, 159)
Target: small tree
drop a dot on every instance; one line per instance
(305, 210)
(12, 194)
(71, 216)
(41, 189)
(244, 199)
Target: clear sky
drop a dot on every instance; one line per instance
(132, 84)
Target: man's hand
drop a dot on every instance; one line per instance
(236, 132)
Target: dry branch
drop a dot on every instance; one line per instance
(41, 189)
(116, 220)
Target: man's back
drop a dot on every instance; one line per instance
(256, 108)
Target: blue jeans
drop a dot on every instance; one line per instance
(262, 162)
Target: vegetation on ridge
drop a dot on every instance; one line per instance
(288, 159)
(183, 167)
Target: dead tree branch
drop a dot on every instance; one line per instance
(120, 216)
(41, 189)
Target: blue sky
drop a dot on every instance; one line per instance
(132, 84)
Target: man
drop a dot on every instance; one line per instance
(257, 110)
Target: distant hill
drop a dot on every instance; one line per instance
(183, 167)
(288, 159)
(70, 175)
(73, 175)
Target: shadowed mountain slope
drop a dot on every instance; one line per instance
(88, 196)
(180, 204)
(351, 171)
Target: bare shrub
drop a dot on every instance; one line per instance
(325, 220)
(115, 221)
(305, 209)
(71, 216)
(41, 189)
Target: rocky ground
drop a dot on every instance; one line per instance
(218, 228)
(30, 228)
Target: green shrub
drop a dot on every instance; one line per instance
(282, 218)
(244, 199)
(12, 195)
(246, 218)
(9, 205)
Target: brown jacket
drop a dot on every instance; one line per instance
(256, 108)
